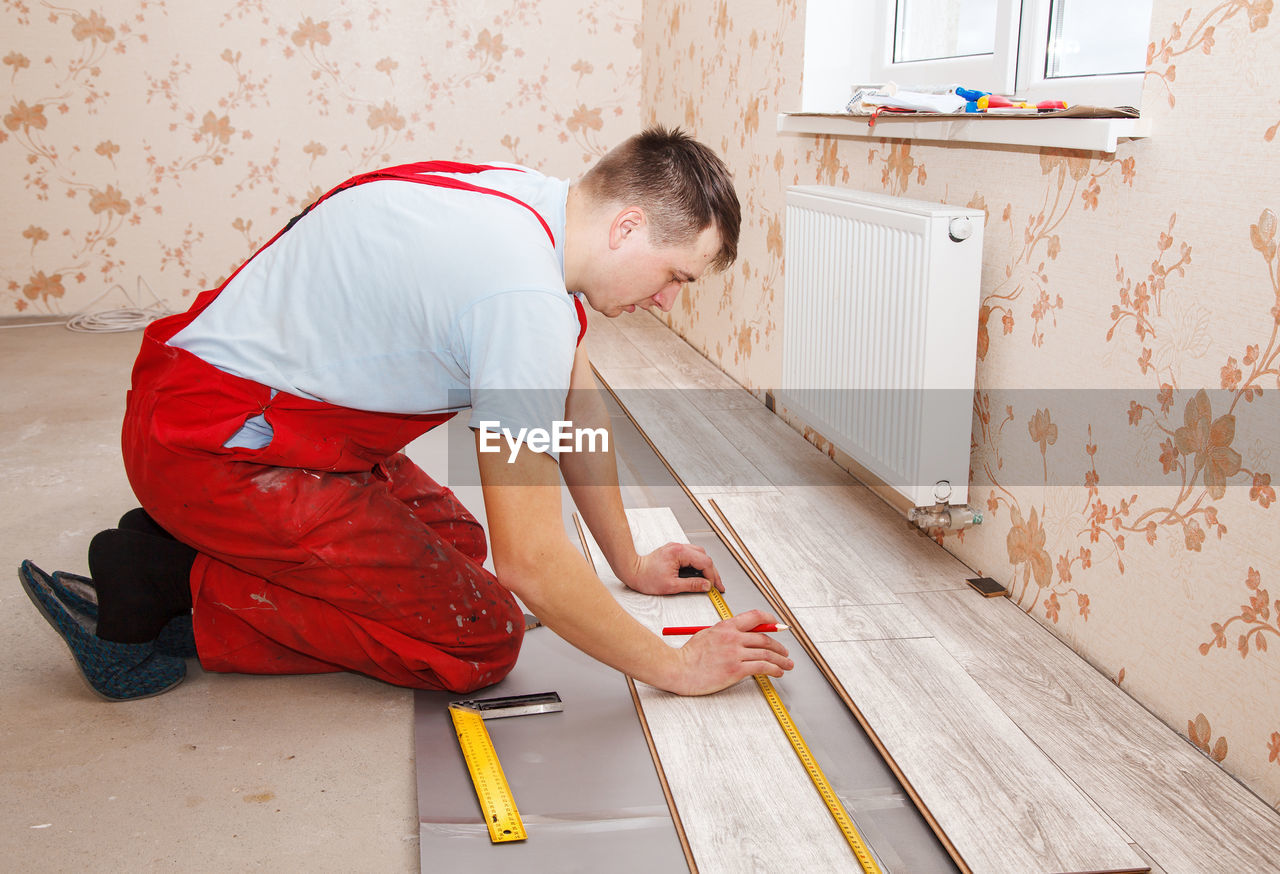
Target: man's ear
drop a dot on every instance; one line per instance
(631, 220)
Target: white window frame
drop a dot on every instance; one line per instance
(1121, 89)
(850, 42)
(993, 72)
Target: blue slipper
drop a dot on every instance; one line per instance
(116, 671)
(78, 594)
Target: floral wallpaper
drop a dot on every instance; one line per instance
(1124, 433)
(162, 141)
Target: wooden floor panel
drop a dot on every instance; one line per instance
(682, 434)
(706, 385)
(774, 447)
(1182, 809)
(964, 757)
(1005, 806)
(811, 563)
(866, 622)
(744, 802)
(608, 347)
(901, 555)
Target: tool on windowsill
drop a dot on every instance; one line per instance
(985, 101)
(502, 818)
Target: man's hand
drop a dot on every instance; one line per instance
(658, 572)
(727, 652)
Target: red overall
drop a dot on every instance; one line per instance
(328, 549)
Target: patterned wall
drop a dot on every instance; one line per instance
(162, 140)
(1133, 517)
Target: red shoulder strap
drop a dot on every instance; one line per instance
(582, 318)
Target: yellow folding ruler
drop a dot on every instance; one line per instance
(499, 805)
(829, 797)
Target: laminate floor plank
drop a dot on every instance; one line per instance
(778, 450)
(1183, 810)
(1004, 805)
(877, 646)
(864, 622)
(704, 496)
(744, 802)
(809, 563)
(899, 554)
(645, 481)
(682, 434)
(706, 385)
(622, 380)
(608, 347)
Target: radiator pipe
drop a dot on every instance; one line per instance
(943, 515)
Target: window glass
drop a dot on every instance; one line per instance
(930, 29)
(1078, 46)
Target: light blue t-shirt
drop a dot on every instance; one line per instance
(402, 297)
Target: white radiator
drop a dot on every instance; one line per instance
(880, 333)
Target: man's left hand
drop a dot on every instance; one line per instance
(658, 573)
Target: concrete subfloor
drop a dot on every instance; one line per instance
(224, 772)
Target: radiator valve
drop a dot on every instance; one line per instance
(943, 515)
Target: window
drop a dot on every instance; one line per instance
(926, 30)
(1080, 51)
(1084, 51)
(934, 42)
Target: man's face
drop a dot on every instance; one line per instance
(644, 275)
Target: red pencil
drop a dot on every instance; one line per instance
(694, 629)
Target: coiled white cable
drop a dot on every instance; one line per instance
(129, 318)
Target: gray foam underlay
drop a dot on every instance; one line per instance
(582, 778)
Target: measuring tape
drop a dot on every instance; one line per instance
(829, 797)
(496, 800)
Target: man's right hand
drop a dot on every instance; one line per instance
(717, 657)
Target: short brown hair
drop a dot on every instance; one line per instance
(681, 184)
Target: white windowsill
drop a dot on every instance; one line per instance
(1090, 134)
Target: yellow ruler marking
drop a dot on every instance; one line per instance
(829, 797)
(499, 806)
